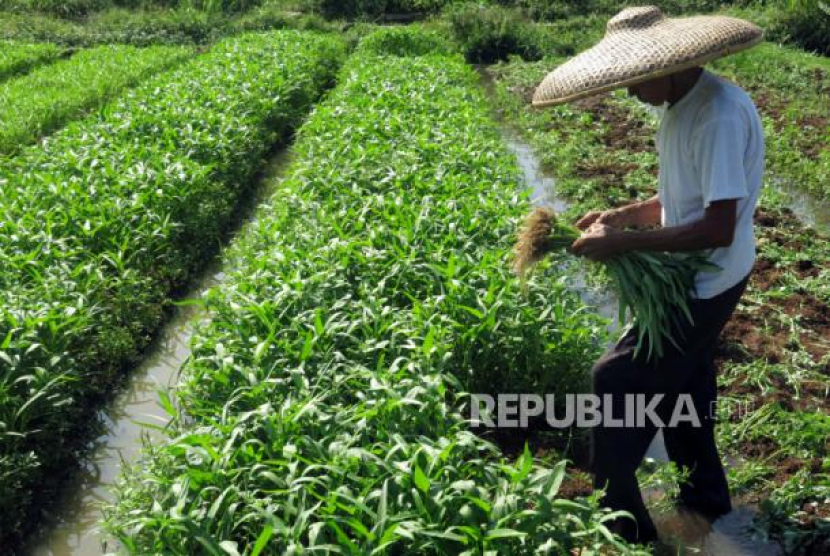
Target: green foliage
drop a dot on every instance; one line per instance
(491, 33)
(136, 27)
(274, 16)
(38, 28)
(552, 10)
(405, 41)
(141, 28)
(16, 58)
(322, 408)
(44, 100)
(62, 8)
(213, 6)
(803, 22)
(81, 8)
(106, 218)
(374, 8)
(156, 26)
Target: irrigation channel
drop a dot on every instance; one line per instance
(75, 529)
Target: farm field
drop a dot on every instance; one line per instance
(20, 58)
(48, 97)
(107, 218)
(324, 402)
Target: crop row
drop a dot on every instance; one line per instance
(47, 98)
(106, 218)
(323, 408)
(17, 58)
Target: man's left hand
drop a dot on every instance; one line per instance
(598, 243)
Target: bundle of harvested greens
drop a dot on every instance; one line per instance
(652, 287)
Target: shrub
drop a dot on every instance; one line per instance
(551, 10)
(805, 23)
(491, 33)
(81, 8)
(375, 8)
(275, 16)
(63, 8)
(40, 28)
(144, 27)
(405, 41)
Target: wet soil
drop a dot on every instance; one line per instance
(760, 332)
(621, 134)
(622, 131)
(776, 109)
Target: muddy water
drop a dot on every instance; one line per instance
(76, 530)
(543, 193)
(810, 210)
(135, 414)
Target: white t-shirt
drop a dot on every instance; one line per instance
(711, 147)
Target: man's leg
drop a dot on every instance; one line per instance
(617, 452)
(694, 449)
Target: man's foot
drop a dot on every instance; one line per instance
(683, 527)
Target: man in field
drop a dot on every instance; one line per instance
(711, 153)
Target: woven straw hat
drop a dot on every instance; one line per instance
(641, 44)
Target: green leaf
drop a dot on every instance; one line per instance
(420, 479)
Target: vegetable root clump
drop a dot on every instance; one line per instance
(653, 288)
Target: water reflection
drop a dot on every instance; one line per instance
(136, 414)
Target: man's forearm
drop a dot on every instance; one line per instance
(645, 213)
(690, 237)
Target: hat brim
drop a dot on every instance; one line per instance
(615, 63)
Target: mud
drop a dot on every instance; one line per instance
(763, 332)
(607, 173)
(622, 132)
(776, 109)
(577, 484)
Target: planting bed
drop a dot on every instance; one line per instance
(775, 357)
(45, 99)
(17, 58)
(109, 217)
(323, 408)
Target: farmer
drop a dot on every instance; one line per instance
(711, 153)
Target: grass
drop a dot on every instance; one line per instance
(107, 218)
(17, 58)
(323, 408)
(45, 99)
(145, 27)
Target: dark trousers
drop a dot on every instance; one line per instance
(617, 452)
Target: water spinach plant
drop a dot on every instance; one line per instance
(48, 97)
(323, 408)
(108, 217)
(17, 58)
(654, 289)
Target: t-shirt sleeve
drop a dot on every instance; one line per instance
(718, 149)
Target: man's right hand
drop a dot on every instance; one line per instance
(613, 218)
